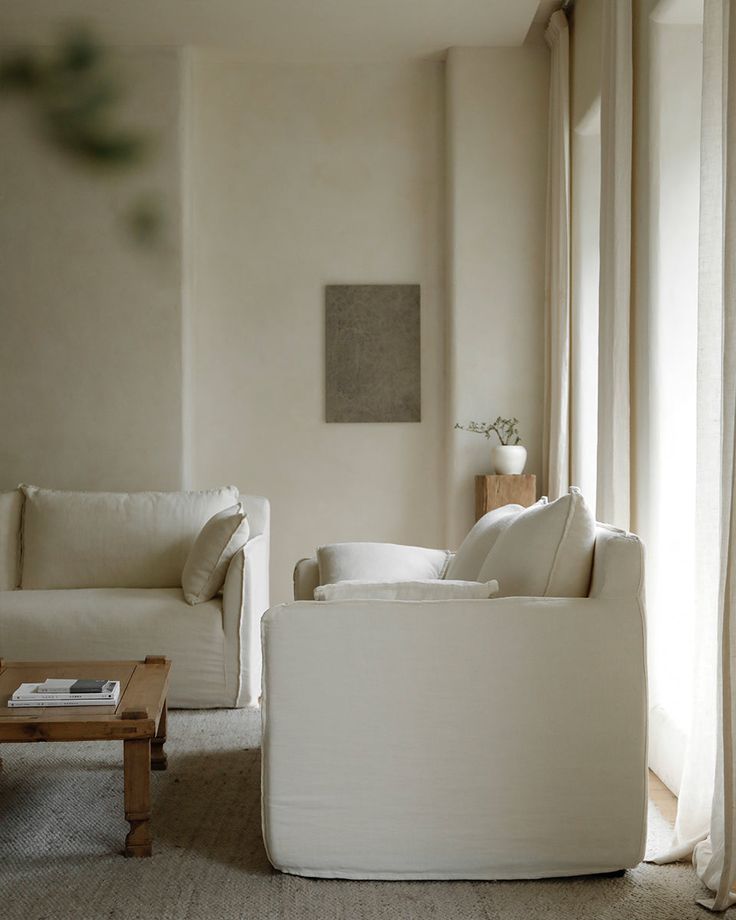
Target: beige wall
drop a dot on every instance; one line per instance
(205, 365)
(90, 329)
(304, 176)
(496, 136)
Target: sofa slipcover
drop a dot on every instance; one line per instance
(132, 622)
(214, 647)
(475, 739)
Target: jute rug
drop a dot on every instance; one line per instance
(62, 827)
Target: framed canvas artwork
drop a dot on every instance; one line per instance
(372, 353)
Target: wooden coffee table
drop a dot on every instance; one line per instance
(139, 721)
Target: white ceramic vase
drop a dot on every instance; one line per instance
(509, 459)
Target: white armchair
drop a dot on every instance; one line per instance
(474, 739)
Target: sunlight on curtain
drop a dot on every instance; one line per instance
(706, 819)
(613, 480)
(556, 451)
(666, 333)
(586, 154)
(714, 858)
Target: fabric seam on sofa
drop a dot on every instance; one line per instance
(558, 551)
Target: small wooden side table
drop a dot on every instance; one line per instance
(495, 491)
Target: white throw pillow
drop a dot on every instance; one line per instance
(379, 562)
(429, 589)
(474, 549)
(547, 551)
(225, 534)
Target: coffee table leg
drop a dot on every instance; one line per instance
(137, 764)
(158, 754)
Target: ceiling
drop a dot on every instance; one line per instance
(282, 30)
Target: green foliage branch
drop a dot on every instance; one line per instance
(505, 429)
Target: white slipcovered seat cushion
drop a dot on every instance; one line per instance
(546, 551)
(112, 539)
(221, 537)
(11, 506)
(379, 562)
(122, 624)
(431, 589)
(474, 549)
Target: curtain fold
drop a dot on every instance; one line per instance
(556, 475)
(613, 488)
(715, 857)
(706, 823)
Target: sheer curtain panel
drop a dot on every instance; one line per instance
(613, 495)
(706, 822)
(557, 288)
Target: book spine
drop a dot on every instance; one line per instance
(65, 697)
(58, 703)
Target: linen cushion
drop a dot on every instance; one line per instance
(112, 539)
(430, 589)
(547, 551)
(221, 537)
(11, 507)
(479, 542)
(379, 562)
(120, 624)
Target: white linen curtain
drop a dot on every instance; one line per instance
(613, 476)
(614, 302)
(706, 822)
(556, 477)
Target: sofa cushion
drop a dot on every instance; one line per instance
(122, 623)
(474, 549)
(379, 562)
(217, 542)
(112, 539)
(428, 589)
(11, 507)
(547, 551)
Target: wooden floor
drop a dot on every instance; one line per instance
(662, 798)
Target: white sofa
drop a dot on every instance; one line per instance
(472, 739)
(98, 576)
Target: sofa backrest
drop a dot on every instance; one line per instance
(11, 505)
(112, 539)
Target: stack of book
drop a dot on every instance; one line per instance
(67, 693)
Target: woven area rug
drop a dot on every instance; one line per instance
(62, 828)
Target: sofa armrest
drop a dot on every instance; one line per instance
(502, 733)
(306, 579)
(618, 564)
(245, 599)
